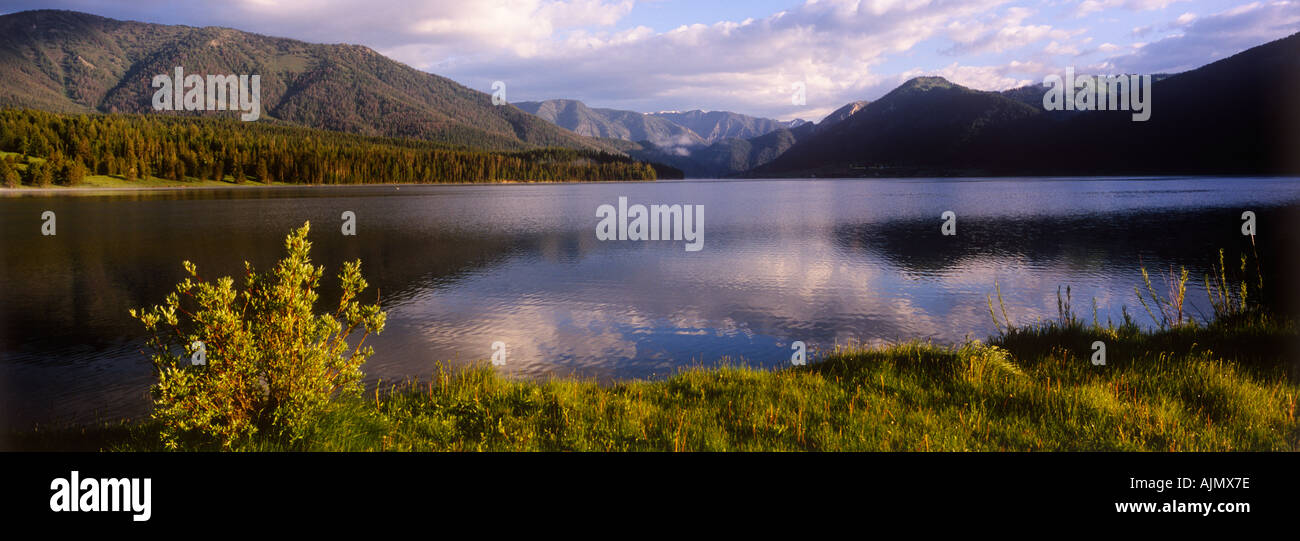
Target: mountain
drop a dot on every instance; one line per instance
(729, 157)
(659, 138)
(841, 114)
(73, 62)
(1239, 115)
(714, 126)
(725, 158)
(925, 121)
(575, 116)
(1032, 95)
(663, 129)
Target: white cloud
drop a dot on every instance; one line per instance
(997, 33)
(1213, 37)
(1057, 48)
(830, 45)
(1092, 6)
(843, 50)
(977, 77)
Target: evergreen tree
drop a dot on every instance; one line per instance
(40, 173)
(263, 174)
(8, 175)
(179, 148)
(74, 172)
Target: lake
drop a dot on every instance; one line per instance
(460, 267)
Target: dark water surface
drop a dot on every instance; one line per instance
(460, 267)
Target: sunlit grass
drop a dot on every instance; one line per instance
(1029, 391)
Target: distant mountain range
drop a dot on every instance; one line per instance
(714, 126)
(700, 143)
(725, 158)
(613, 124)
(1239, 115)
(75, 62)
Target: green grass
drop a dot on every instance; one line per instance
(105, 181)
(1031, 389)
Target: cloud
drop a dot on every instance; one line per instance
(978, 77)
(1000, 33)
(1213, 37)
(1092, 6)
(601, 52)
(751, 65)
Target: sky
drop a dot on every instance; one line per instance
(747, 56)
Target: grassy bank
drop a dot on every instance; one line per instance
(1033, 388)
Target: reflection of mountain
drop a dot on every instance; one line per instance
(1091, 243)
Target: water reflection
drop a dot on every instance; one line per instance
(460, 267)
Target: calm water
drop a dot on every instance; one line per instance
(460, 267)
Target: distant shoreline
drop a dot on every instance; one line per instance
(82, 190)
(257, 186)
(55, 190)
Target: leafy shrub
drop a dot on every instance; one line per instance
(272, 364)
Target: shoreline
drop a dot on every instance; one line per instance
(54, 190)
(1161, 391)
(256, 186)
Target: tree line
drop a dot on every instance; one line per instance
(56, 148)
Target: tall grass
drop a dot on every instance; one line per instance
(912, 396)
